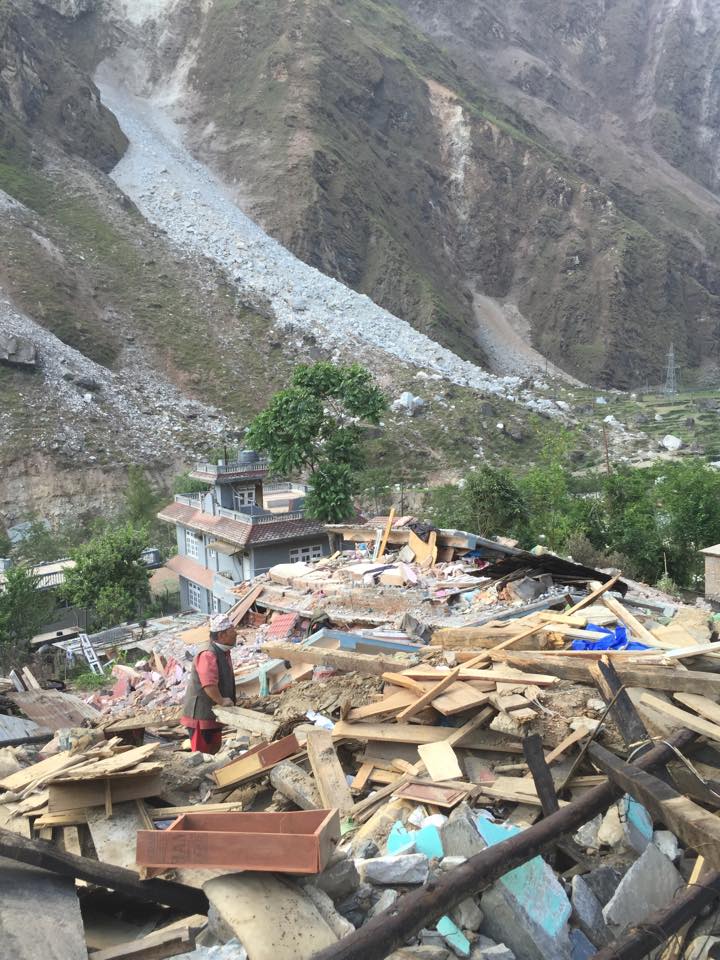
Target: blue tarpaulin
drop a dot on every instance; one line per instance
(616, 639)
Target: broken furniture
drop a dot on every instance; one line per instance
(295, 842)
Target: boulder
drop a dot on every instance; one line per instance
(468, 915)
(386, 900)
(339, 880)
(671, 443)
(460, 836)
(17, 351)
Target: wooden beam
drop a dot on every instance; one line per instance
(535, 756)
(708, 709)
(370, 665)
(386, 534)
(696, 827)
(592, 597)
(48, 857)
(623, 710)
(676, 944)
(683, 718)
(329, 777)
(640, 631)
(650, 676)
(422, 907)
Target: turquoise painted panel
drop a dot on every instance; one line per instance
(533, 885)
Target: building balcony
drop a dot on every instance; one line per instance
(252, 516)
(249, 467)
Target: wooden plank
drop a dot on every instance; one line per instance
(707, 708)
(256, 762)
(236, 613)
(110, 766)
(631, 727)
(252, 721)
(329, 777)
(682, 718)
(491, 676)
(458, 698)
(362, 776)
(371, 665)
(390, 704)
(440, 760)
(696, 827)
(592, 597)
(639, 630)
(80, 794)
(430, 793)
(427, 698)
(540, 771)
(386, 534)
(650, 676)
(155, 946)
(398, 733)
(171, 813)
(30, 679)
(406, 681)
(39, 771)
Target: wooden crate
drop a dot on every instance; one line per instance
(262, 757)
(294, 842)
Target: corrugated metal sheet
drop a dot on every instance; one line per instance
(54, 709)
(14, 727)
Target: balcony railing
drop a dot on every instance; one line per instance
(235, 466)
(197, 501)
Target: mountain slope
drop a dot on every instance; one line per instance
(356, 141)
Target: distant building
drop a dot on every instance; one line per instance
(50, 575)
(712, 572)
(240, 528)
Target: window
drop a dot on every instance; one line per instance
(243, 498)
(192, 544)
(312, 552)
(216, 605)
(211, 555)
(194, 595)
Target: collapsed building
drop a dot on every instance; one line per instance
(442, 746)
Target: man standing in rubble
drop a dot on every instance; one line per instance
(212, 682)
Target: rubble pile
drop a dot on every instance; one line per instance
(441, 746)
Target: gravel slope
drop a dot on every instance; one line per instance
(181, 196)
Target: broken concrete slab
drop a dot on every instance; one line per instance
(386, 900)
(272, 918)
(468, 915)
(338, 880)
(587, 835)
(588, 913)
(487, 949)
(459, 835)
(39, 915)
(650, 883)
(667, 843)
(411, 868)
(603, 881)
(528, 908)
(580, 946)
(453, 937)
(326, 908)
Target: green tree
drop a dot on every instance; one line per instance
(316, 425)
(142, 500)
(496, 505)
(446, 506)
(108, 576)
(41, 543)
(23, 608)
(184, 483)
(689, 506)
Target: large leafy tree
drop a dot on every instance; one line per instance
(108, 576)
(23, 609)
(317, 425)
